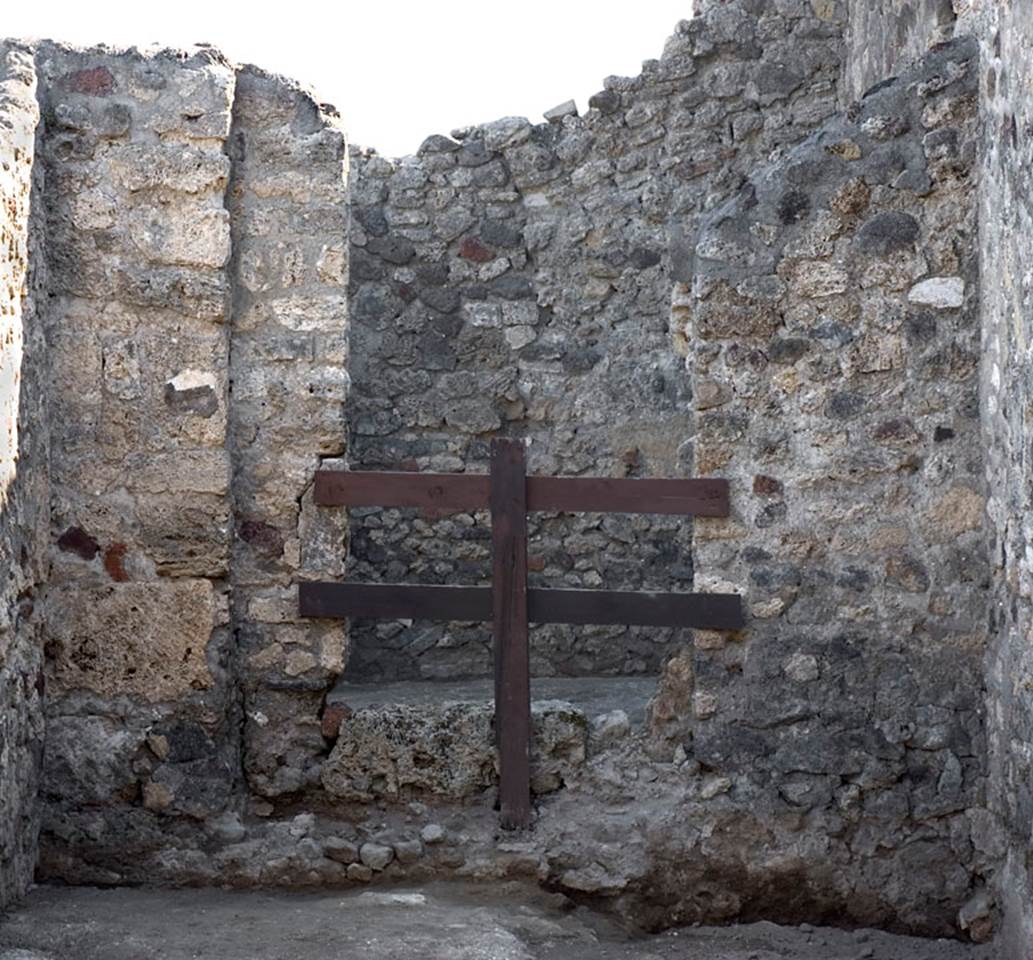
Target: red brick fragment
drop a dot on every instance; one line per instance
(94, 82)
(765, 486)
(114, 558)
(264, 537)
(472, 249)
(78, 541)
(333, 716)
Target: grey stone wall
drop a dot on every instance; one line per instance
(196, 221)
(833, 323)
(838, 760)
(885, 37)
(516, 279)
(23, 475)
(289, 217)
(1006, 254)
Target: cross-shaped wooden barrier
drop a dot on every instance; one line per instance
(508, 603)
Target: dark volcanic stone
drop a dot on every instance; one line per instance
(393, 249)
(606, 101)
(843, 406)
(793, 206)
(886, 233)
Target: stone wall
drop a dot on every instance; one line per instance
(23, 475)
(831, 762)
(142, 715)
(884, 37)
(289, 216)
(835, 347)
(516, 279)
(1006, 254)
(195, 218)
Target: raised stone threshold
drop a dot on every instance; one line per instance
(592, 696)
(433, 740)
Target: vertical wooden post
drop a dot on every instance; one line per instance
(512, 659)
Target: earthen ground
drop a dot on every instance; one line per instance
(440, 922)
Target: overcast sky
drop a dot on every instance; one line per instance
(396, 69)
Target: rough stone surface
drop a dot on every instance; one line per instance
(142, 720)
(862, 532)
(144, 640)
(885, 37)
(712, 271)
(1006, 305)
(24, 491)
(508, 921)
(520, 285)
(187, 253)
(445, 751)
(288, 207)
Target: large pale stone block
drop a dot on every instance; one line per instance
(445, 750)
(145, 640)
(187, 237)
(184, 169)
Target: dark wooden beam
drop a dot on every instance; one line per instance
(393, 601)
(704, 611)
(471, 491)
(700, 498)
(373, 488)
(397, 601)
(512, 657)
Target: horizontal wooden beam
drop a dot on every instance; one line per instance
(700, 498)
(374, 488)
(704, 611)
(470, 491)
(396, 601)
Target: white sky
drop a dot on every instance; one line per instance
(397, 70)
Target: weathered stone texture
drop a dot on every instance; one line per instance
(288, 205)
(138, 633)
(206, 260)
(197, 335)
(23, 475)
(516, 279)
(885, 37)
(845, 415)
(446, 751)
(144, 640)
(1006, 254)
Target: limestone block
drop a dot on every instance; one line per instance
(184, 236)
(445, 750)
(190, 292)
(197, 101)
(185, 169)
(957, 511)
(187, 471)
(942, 293)
(146, 640)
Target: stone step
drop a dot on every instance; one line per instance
(591, 695)
(426, 740)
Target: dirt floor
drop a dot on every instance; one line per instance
(443, 922)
